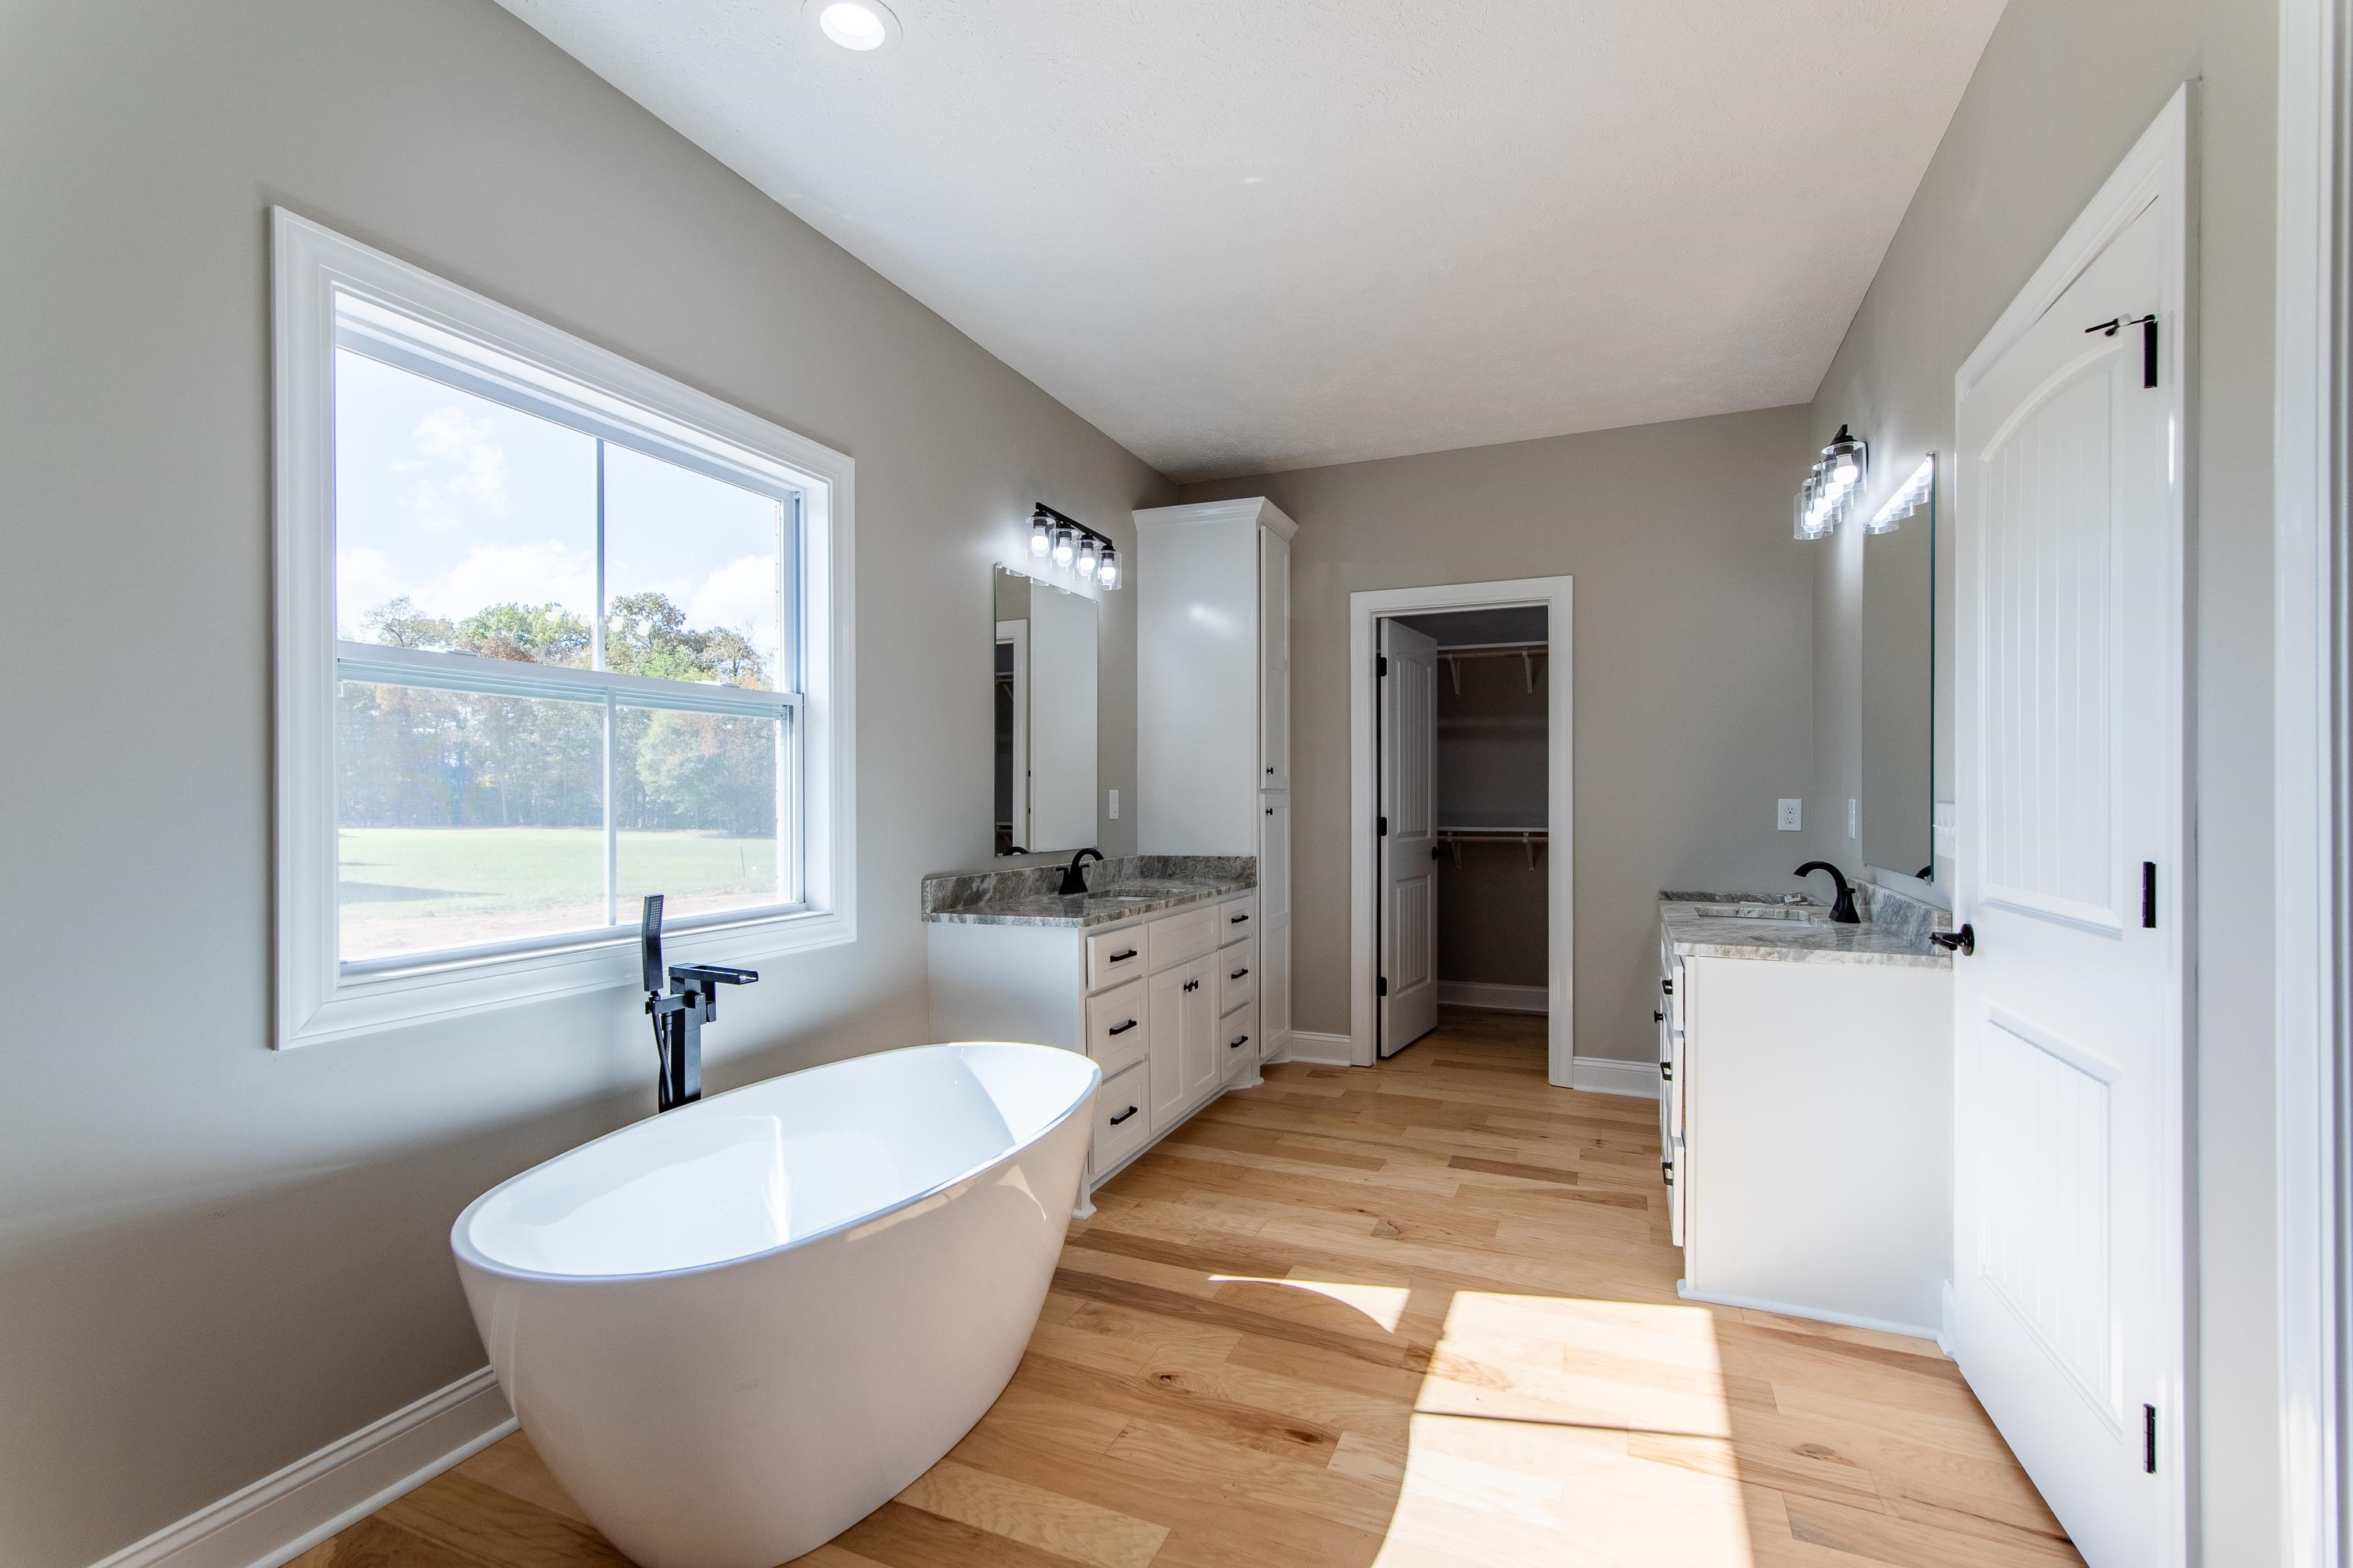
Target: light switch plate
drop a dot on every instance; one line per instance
(1793, 816)
(1114, 806)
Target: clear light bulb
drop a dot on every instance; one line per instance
(1065, 546)
(1041, 538)
(1107, 570)
(1088, 559)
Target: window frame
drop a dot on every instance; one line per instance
(534, 365)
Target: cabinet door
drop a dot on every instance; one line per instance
(1273, 660)
(1199, 1007)
(1165, 1018)
(1274, 923)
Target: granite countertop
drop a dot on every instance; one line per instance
(1127, 889)
(1897, 934)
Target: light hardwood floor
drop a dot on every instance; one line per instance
(1424, 1314)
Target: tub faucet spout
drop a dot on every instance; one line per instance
(679, 1017)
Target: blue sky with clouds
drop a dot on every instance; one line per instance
(460, 503)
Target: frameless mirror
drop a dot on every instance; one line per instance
(1045, 696)
(1899, 694)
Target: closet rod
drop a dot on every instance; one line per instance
(1527, 839)
(1527, 653)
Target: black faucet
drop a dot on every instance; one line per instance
(1842, 911)
(679, 1017)
(1075, 881)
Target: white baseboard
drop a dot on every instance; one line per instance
(1494, 998)
(1326, 1050)
(1608, 1075)
(1783, 1308)
(285, 1515)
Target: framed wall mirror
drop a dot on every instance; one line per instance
(1900, 701)
(1045, 662)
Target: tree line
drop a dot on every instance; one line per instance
(412, 756)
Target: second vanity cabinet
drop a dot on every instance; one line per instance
(1166, 1005)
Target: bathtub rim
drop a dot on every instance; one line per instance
(466, 1253)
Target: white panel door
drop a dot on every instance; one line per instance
(1164, 1001)
(1408, 825)
(2067, 1030)
(1274, 659)
(1204, 1052)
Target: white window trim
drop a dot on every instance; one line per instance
(317, 999)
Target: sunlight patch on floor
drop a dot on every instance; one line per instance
(1383, 1304)
(1566, 1431)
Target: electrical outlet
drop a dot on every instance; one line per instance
(1793, 816)
(1114, 806)
(1853, 818)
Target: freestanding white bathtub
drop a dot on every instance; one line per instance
(736, 1329)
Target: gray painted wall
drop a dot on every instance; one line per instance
(2064, 89)
(1692, 658)
(214, 1259)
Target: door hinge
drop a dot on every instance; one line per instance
(1383, 667)
(2148, 1438)
(2148, 325)
(1383, 832)
(2148, 894)
(1385, 986)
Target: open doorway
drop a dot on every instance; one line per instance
(1460, 875)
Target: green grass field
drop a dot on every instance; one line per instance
(409, 889)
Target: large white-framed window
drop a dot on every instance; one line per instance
(554, 631)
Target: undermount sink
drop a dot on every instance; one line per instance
(1800, 914)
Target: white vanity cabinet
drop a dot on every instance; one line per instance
(1166, 1005)
(1801, 1112)
(1212, 587)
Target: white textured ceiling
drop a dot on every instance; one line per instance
(1242, 237)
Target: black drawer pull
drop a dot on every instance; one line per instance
(1667, 1171)
(1236, 919)
(1238, 1045)
(1123, 1115)
(1121, 1028)
(1658, 1018)
(1667, 1071)
(1238, 973)
(1123, 957)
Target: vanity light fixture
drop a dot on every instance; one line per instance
(860, 25)
(1071, 546)
(1827, 494)
(1908, 501)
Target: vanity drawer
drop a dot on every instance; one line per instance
(1237, 1041)
(1186, 934)
(1237, 974)
(1116, 1028)
(1238, 917)
(1113, 955)
(1121, 1122)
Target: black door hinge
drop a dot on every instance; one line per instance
(1383, 832)
(2148, 1438)
(1385, 986)
(2148, 894)
(2148, 325)
(1382, 668)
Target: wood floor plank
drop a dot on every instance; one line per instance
(1419, 1314)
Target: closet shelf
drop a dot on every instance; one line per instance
(1453, 839)
(1527, 653)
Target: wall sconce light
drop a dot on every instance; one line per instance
(1827, 494)
(1915, 493)
(1071, 546)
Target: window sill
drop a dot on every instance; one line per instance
(364, 1004)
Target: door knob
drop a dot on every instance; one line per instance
(1964, 941)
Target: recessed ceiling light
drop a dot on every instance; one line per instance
(863, 26)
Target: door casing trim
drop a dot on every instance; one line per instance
(1366, 606)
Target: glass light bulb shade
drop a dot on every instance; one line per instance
(1065, 546)
(1107, 570)
(1087, 556)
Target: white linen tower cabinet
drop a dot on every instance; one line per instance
(1213, 707)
